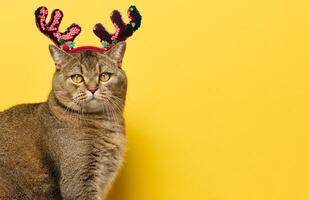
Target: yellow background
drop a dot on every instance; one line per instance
(218, 93)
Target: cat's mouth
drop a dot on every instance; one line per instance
(89, 102)
(92, 100)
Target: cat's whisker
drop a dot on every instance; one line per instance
(115, 105)
(115, 114)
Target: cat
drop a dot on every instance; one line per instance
(71, 146)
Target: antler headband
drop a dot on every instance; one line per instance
(65, 40)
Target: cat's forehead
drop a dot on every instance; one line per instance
(92, 59)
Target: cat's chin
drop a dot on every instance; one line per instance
(92, 106)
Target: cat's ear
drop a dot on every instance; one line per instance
(117, 52)
(59, 56)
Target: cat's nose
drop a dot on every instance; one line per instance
(92, 87)
(92, 90)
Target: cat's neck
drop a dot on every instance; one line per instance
(75, 118)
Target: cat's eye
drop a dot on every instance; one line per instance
(76, 78)
(105, 77)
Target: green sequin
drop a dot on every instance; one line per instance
(105, 44)
(61, 41)
(130, 27)
(115, 41)
(71, 44)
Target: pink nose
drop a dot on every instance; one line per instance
(92, 87)
(92, 90)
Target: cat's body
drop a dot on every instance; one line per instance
(53, 150)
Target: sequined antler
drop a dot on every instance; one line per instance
(123, 30)
(65, 40)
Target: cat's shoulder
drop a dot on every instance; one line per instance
(21, 110)
(20, 121)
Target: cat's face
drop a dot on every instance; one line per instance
(88, 81)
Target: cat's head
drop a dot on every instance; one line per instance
(90, 81)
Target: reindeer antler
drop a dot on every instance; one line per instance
(123, 30)
(65, 40)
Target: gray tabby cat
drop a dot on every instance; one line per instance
(71, 146)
